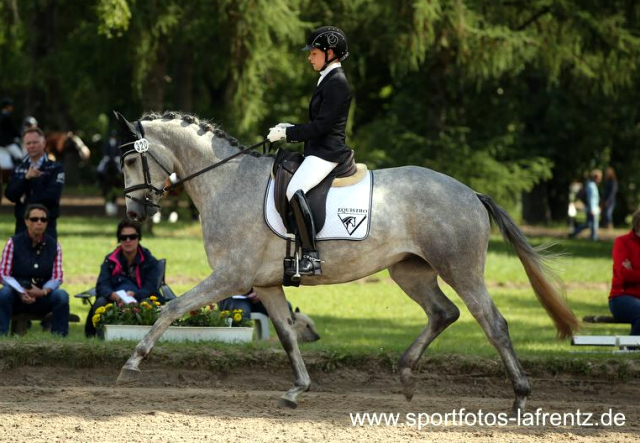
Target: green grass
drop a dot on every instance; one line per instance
(369, 316)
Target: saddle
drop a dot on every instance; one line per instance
(287, 163)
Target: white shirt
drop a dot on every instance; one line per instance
(38, 163)
(327, 70)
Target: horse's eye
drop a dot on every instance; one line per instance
(130, 162)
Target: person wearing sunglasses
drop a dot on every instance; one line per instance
(31, 272)
(128, 273)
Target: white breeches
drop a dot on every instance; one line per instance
(311, 172)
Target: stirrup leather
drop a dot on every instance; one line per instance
(309, 263)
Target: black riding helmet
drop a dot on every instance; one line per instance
(328, 37)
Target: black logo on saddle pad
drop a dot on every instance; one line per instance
(352, 218)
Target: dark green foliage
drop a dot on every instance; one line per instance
(501, 95)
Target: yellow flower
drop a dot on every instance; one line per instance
(225, 313)
(109, 306)
(144, 304)
(95, 319)
(237, 317)
(157, 303)
(100, 310)
(153, 298)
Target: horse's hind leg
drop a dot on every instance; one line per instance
(274, 300)
(419, 281)
(495, 327)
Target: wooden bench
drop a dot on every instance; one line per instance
(623, 342)
(20, 322)
(601, 319)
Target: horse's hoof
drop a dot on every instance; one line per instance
(127, 376)
(518, 406)
(286, 403)
(409, 383)
(408, 396)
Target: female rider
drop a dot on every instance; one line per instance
(324, 136)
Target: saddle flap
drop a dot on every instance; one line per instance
(286, 164)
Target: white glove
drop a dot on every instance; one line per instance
(277, 133)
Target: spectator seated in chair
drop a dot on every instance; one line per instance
(31, 272)
(624, 298)
(250, 302)
(130, 273)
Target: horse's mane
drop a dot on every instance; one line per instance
(204, 125)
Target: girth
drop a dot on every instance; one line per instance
(285, 165)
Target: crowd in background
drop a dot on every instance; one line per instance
(596, 198)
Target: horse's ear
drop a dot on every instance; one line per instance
(126, 128)
(297, 309)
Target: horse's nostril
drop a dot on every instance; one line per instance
(132, 215)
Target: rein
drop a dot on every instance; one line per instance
(141, 146)
(173, 185)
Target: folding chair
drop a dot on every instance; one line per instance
(165, 291)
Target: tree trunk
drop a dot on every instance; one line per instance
(153, 89)
(535, 205)
(184, 79)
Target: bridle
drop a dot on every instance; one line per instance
(141, 147)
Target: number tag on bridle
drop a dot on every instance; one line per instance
(141, 145)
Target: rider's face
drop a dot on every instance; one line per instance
(317, 59)
(34, 144)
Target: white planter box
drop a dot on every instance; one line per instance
(179, 333)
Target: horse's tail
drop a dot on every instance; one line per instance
(546, 284)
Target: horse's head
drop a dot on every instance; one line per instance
(143, 158)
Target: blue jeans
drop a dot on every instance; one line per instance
(607, 215)
(591, 223)
(626, 308)
(229, 304)
(246, 305)
(57, 303)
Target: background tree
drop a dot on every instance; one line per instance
(513, 98)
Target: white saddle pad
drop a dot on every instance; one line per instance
(348, 214)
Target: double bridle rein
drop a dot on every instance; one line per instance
(141, 147)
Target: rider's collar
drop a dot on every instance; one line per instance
(327, 70)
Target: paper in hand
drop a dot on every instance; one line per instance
(126, 298)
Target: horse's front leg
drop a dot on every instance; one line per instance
(278, 309)
(210, 290)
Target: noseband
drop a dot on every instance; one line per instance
(141, 147)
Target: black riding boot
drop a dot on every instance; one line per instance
(310, 261)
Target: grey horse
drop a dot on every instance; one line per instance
(425, 225)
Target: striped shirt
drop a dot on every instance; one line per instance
(6, 269)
